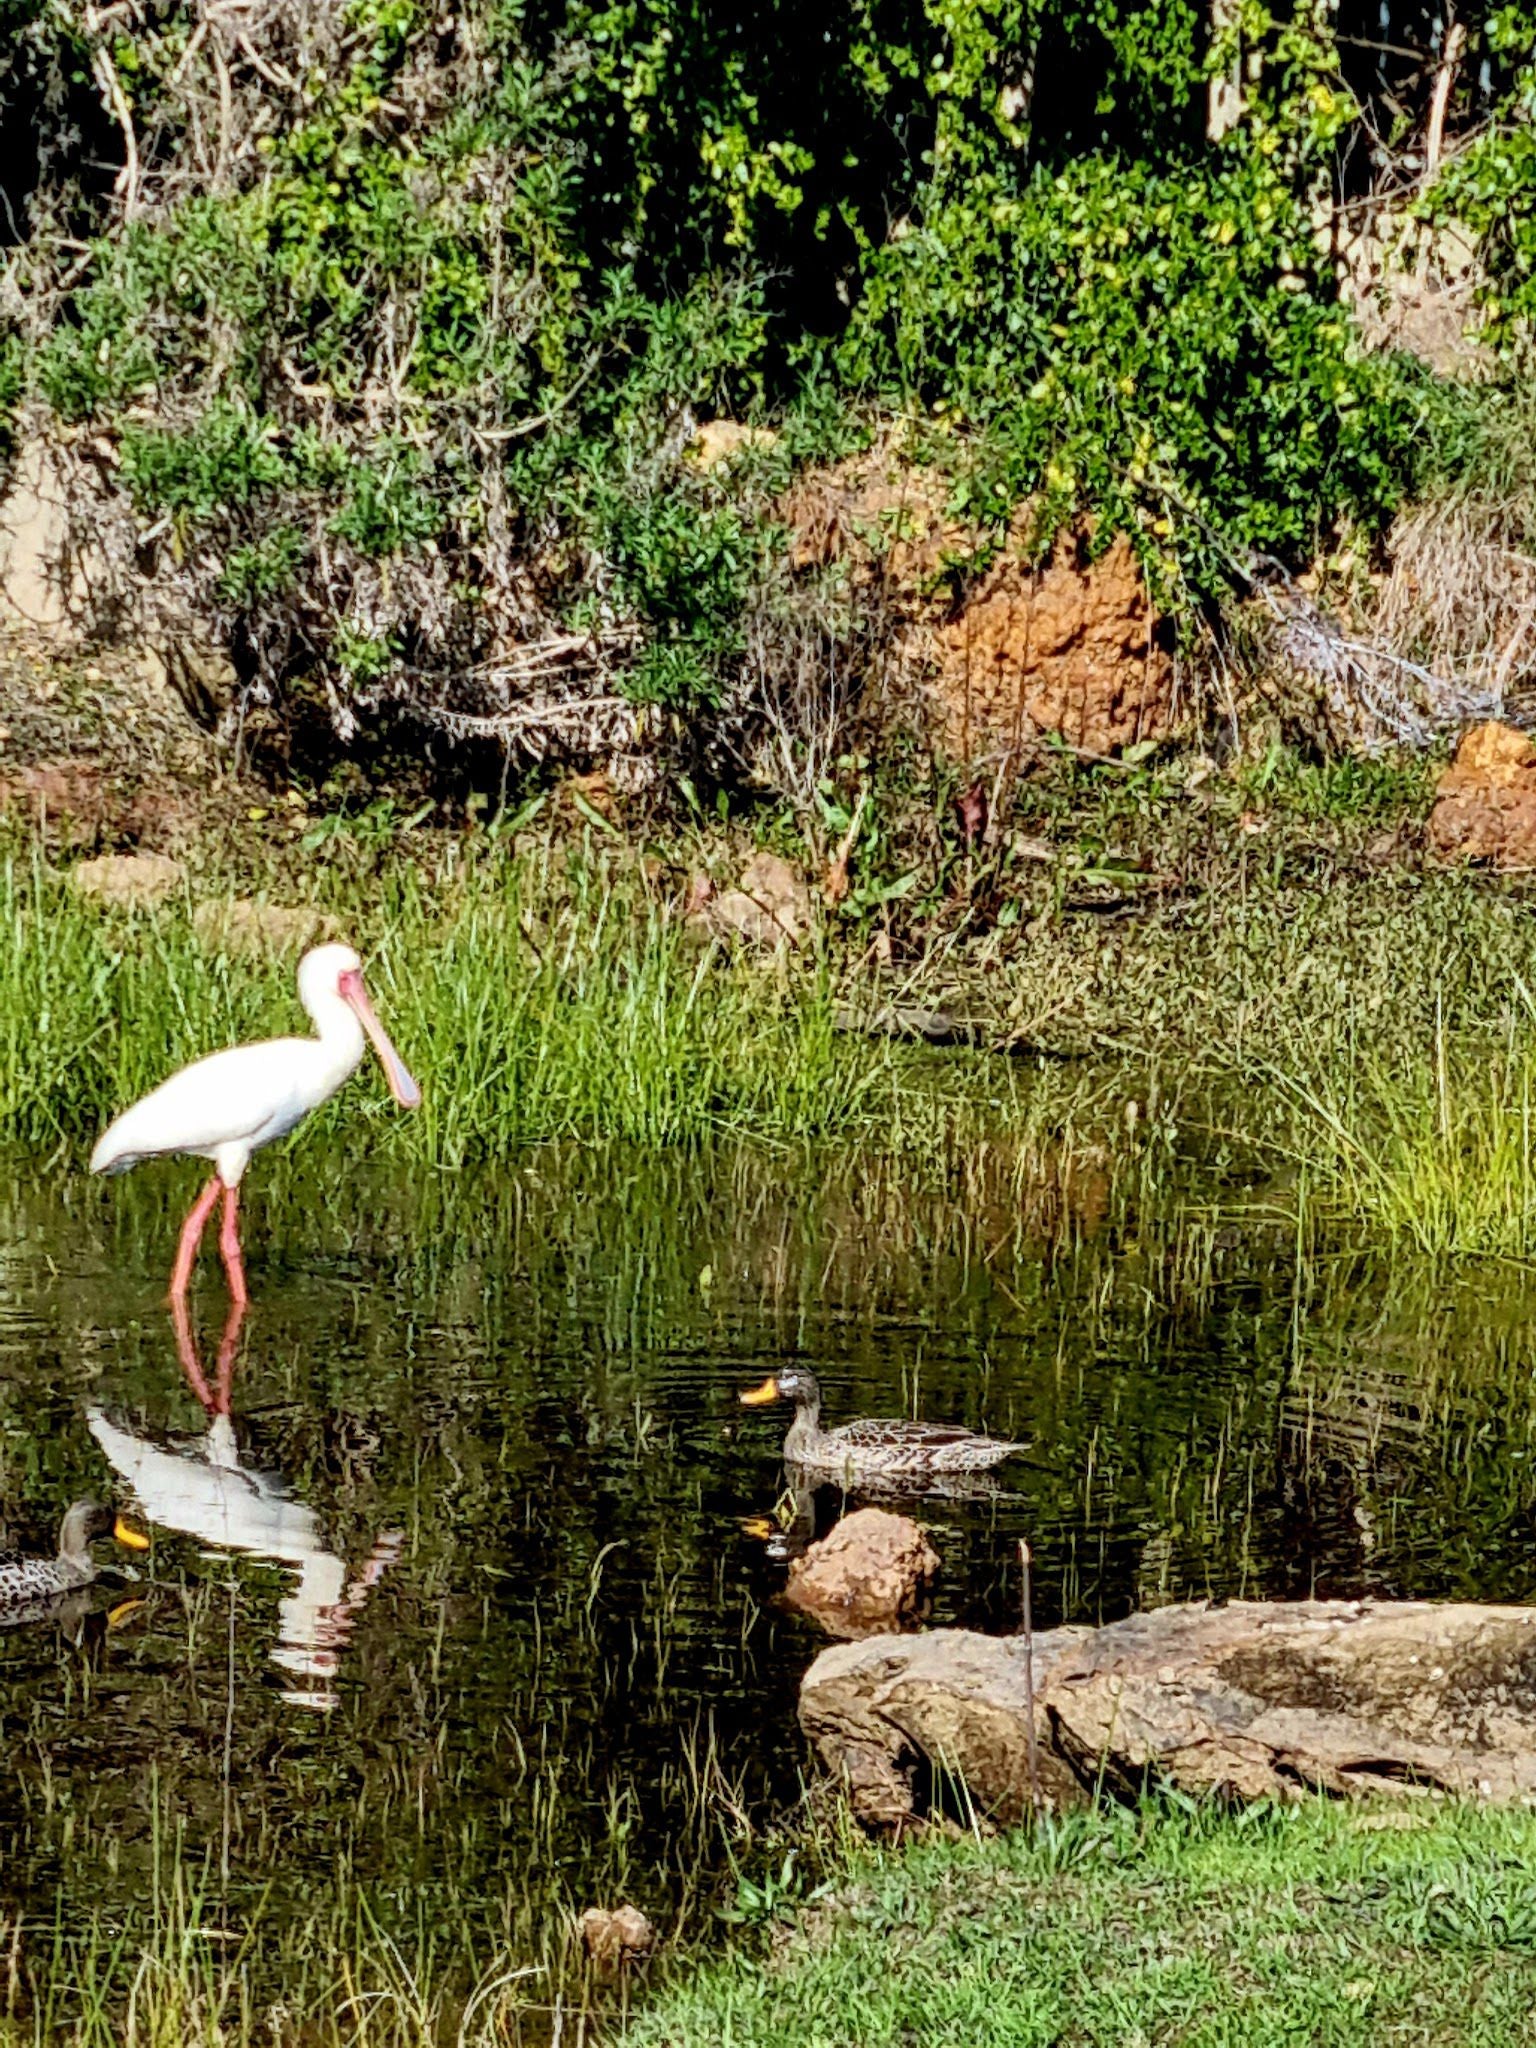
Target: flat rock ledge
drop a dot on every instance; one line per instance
(1253, 1699)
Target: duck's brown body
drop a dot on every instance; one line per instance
(889, 1449)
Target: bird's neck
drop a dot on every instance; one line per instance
(338, 1030)
(75, 1541)
(805, 1430)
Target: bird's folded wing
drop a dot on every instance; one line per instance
(219, 1100)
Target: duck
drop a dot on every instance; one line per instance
(31, 1582)
(879, 1449)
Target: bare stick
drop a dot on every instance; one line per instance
(1031, 1746)
(1445, 77)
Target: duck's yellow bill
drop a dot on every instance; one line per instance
(759, 1397)
(128, 1536)
(124, 1611)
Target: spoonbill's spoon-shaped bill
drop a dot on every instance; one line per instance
(227, 1106)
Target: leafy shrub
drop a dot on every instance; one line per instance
(403, 320)
(1131, 347)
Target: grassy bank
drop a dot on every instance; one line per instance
(1319, 1923)
(531, 1004)
(1348, 1030)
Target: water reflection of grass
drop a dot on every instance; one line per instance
(301, 1946)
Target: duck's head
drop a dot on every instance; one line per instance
(88, 1521)
(793, 1384)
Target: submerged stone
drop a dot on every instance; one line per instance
(617, 1938)
(872, 1572)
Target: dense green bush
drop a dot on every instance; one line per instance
(1488, 188)
(400, 323)
(1128, 345)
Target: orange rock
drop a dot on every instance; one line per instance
(870, 1573)
(771, 908)
(127, 881)
(1485, 802)
(616, 1939)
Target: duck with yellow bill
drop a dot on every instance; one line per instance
(31, 1584)
(887, 1448)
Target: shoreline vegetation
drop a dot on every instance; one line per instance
(1163, 1921)
(1257, 984)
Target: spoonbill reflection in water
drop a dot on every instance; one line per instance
(227, 1106)
(206, 1491)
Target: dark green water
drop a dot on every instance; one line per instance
(562, 1677)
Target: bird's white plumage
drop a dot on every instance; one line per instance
(228, 1105)
(211, 1496)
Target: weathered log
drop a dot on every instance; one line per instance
(1253, 1699)
(916, 1023)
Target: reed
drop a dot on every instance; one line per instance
(1377, 1049)
(1436, 1151)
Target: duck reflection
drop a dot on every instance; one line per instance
(790, 1524)
(63, 1588)
(810, 1504)
(202, 1489)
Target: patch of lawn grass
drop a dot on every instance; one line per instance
(1319, 1923)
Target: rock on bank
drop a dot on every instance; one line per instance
(1256, 1699)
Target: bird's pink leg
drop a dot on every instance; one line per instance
(229, 1246)
(214, 1400)
(228, 1345)
(191, 1237)
(186, 1351)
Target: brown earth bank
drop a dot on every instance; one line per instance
(1254, 1700)
(1485, 802)
(101, 755)
(999, 645)
(987, 646)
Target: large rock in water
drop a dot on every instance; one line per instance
(871, 1572)
(1256, 1699)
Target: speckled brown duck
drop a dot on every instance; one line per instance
(889, 1449)
(28, 1582)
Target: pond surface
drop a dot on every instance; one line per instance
(455, 1594)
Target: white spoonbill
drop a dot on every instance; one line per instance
(227, 1106)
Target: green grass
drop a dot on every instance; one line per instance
(1437, 1152)
(1361, 1035)
(531, 1004)
(1319, 1923)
